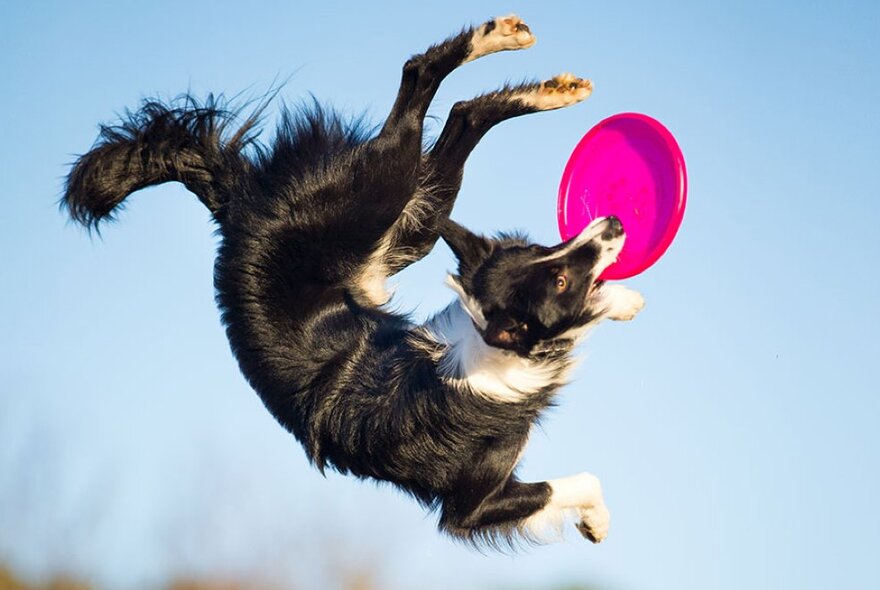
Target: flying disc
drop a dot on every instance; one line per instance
(631, 167)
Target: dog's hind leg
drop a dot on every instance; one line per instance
(422, 74)
(388, 172)
(399, 143)
(468, 122)
(397, 151)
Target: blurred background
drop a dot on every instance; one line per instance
(733, 424)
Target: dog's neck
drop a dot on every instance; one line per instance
(465, 360)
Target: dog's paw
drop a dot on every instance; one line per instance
(501, 34)
(623, 303)
(594, 522)
(561, 91)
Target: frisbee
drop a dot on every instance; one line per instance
(631, 167)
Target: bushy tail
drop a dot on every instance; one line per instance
(185, 141)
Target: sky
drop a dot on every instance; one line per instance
(733, 423)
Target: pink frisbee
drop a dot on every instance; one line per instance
(631, 167)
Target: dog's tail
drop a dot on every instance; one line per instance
(186, 141)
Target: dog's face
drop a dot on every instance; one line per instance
(521, 294)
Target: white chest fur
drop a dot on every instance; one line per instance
(468, 362)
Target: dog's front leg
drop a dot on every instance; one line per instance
(530, 508)
(620, 303)
(469, 514)
(581, 493)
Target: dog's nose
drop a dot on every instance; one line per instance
(614, 229)
(616, 226)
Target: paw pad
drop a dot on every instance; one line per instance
(511, 25)
(566, 84)
(561, 91)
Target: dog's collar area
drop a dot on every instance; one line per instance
(552, 349)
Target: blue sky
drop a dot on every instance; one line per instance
(733, 424)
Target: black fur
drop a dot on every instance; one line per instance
(303, 223)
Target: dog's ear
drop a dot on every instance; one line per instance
(470, 305)
(505, 332)
(469, 248)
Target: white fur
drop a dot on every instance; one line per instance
(576, 497)
(417, 209)
(504, 36)
(592, 232)
(547, 525)
(372, 279)
(547, 98)
(469, 304)
(621, 303)
(467, 361)
(615, 302)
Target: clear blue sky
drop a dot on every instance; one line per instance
(734, 423)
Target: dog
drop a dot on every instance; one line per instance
(311, 226)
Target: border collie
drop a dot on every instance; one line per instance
(313, 224)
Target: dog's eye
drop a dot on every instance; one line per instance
(561, 283)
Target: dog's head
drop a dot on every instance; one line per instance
(520, 295)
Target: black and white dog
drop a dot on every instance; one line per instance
(311, 227)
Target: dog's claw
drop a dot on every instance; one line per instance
(587, 533)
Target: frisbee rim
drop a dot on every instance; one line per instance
(679, 192)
